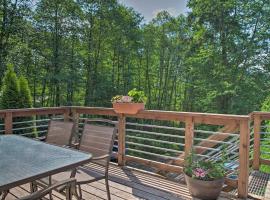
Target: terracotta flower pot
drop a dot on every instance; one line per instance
(128, 108)
(208, 190)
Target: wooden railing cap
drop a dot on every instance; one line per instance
(263, 115)
(157, 114)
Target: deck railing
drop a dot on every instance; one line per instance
(160, 140)
(261, 151)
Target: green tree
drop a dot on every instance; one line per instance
(25, 101)
(215, 59)
(10, 90)
(12, 15)
(25, 94)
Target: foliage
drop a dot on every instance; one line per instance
(25, 93)
(137, 96)
(214, 59)
(10, 90)
(16, 94)
(134, 96)
(206, 170)
(266, 105)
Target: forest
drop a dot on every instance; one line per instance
(82, 52)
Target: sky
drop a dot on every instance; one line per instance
(149, 8)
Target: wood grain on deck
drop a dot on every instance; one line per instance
(127, 184)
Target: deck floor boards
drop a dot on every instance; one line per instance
(126, 184)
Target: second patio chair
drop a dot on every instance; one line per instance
(97, 140)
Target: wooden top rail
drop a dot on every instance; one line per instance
(205, 118)
(261, 115)
(34, 111)
(199, 118)
(93, 110)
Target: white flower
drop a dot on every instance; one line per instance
(126, 99)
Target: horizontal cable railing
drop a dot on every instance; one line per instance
(260, 145)
(154, 141)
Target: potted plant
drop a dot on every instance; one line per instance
(130, 104)
(204, 178)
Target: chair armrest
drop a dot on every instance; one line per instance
(101, 157)
(75, 145)
(41, 193)
(42, 138)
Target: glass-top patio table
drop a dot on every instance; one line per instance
(23, 160)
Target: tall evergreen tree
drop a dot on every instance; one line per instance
(25, 101)
(25, 94)
(10, 90)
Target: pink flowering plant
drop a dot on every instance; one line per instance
(134, 96)
(121, 99)
(206, 170)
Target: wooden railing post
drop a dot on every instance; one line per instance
(75, 115)
(8, 123)
(257, 141)
(243, 159)
(189, 134)
(121, 139)
(67, 114)
(76, 119)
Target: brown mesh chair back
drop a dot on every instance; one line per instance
(60, 132)
(98, 140)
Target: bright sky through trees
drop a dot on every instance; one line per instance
(150, 8)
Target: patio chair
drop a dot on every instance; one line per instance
(60, 132)
(68, 184)
(97, 140)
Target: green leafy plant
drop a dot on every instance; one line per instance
(137, 96)
(206, 170)
(134, 96)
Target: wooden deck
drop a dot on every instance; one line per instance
(127, 184)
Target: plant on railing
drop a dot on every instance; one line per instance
(137, 96)
(130, 104)
(134, 96)
(204, 178)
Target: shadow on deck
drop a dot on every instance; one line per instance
(127, 184)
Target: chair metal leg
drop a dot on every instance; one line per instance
(4, 194)
(80, 191)
(68, 193)
(50, 183)
(33, 187)
(107, 188)
(74, 192)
